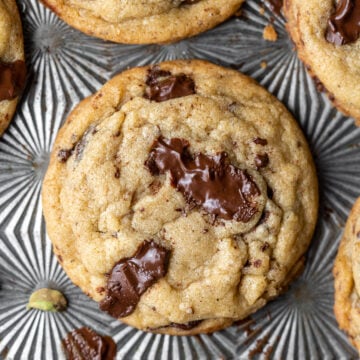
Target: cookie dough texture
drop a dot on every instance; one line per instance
(102, 202)
(337, 67)
(11, 50)
(141, 22)
(347, 278)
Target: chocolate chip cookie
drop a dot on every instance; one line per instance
(347, 278)
(181, 197)
(12, 65)
(143, 22)
(326, 34)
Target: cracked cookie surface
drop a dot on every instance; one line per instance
(12, 66)
(140, 22)
(328, 48)
(347, 278)
(104, 198)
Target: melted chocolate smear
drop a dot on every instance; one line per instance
(162, 86)
(275, 5)
(86, 344)
(12, 79)
(220, 188)
(344, 23)
(131, 277)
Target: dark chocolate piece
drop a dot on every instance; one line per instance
(210, 182)
(275, 5)
(162, 86)
(260, 141)
(261, 160)
(344, 23)
(86, 344)
(131, 277)
(12, 79)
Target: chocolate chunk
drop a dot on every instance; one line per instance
(210, 182)
(131, 277)
(86, 344)
(163, 86)
(275, 5)
(261, 160)
(344, 24)
(260, 141)
(12, 79)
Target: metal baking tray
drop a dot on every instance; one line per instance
(64, 66)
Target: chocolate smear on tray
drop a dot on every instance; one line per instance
(162, 86)
(210, 182)
(344, 23)
(131, 277)
(12, 79)
(86, 344)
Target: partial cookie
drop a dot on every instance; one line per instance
(143, 22)
(182, 197)
(326, 34)
(12, 65)
(347, 278)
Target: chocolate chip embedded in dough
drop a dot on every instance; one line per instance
(162, 86)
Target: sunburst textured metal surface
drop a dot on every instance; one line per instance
(64, 67)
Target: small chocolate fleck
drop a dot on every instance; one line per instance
(117, 172)
(163, 86)
(64, 154)
(210, 182)
(264, 247)
(270, 192)
(358, 234)
(344, 23)
(257, 263)
(12, 79)
(131, 277)
(261, 160)
(86, 344)
(260, 141)
(187, 326)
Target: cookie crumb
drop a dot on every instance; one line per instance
(263, 64)
(261, 10)
(270, 33)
